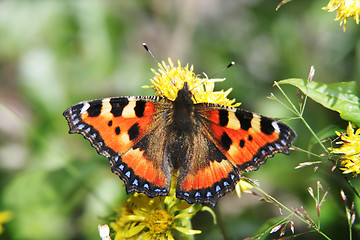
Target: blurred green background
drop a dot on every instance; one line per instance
(56, 53)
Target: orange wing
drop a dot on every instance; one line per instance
(246, 139)
(123, 129)
(207, 175)
(231, 140)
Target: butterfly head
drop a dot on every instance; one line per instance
(184, 94)
(183, 103)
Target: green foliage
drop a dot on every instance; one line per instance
(341, 97)
(56, 53)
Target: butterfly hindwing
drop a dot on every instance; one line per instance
(119, 128)
(208, 176)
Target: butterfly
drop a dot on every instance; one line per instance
(147, 138)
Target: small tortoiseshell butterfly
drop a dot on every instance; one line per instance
(209, 145)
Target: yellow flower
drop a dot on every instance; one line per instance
(243, 186)
(350, 150)
(141, 217)
(170, 79)
(5, 216)
(344, 10)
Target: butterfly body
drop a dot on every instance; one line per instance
(149, 138)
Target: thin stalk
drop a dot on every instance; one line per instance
(318, 203)
(316, 228)
(350, 231)
(310, 153)
(301, 117)
(353, 188)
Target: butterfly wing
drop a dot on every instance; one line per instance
(232, 140)
(247, 139)
(207, 174)
(127, 130)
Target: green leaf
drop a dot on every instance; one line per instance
(341, 97)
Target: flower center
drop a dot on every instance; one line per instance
(159, 221)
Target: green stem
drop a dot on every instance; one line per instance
(316, 228)
(314, 134)
(301, 117)
(353, 188)
(310, 153)
(288, 99)
(350, 232)
(318, 203)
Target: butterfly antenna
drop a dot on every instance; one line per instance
(232, 63)
(153, 57)
(150, 53)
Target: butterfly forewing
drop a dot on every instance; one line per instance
(125, 129)
(246, 139)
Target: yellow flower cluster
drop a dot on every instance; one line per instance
(170, 79)
(141, 217)
(350, 150)
(344, 10)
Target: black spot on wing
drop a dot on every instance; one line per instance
(223, 117)
(225, 141)
(117, 130)
(140, 108)
(266, 125)
(133, 131)
(95, 108)
(142, 145)
(117, 106)
(242, 143)
(214, 153)
(245, 118)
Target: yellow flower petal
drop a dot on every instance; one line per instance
(350, 151)
(134, 230)
(344, 10)
(243, 186)
(155, 219)
(169, 79)
(188, 231)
